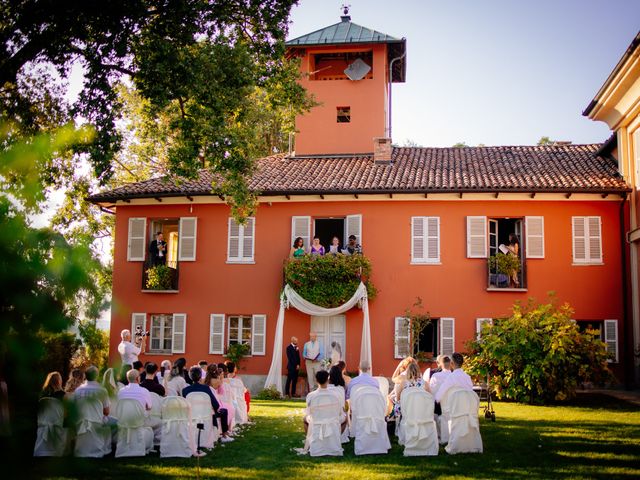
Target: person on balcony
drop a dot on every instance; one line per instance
(514, 249)
(297, 250)
(334, 248)
(312, 353)
(158, 250)
(316, 248)
(353, 247)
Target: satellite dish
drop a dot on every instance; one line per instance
(357, 70)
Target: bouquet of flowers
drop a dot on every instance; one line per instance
(325, 364)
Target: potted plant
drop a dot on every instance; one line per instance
(237, 351)
(159, 278)
(503, 267)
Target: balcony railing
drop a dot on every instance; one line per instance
(160, 278)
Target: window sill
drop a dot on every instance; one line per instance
(159, 291)
(168, 352)
(426, 263)
(586, 264)
(241, 262)
(498, 289)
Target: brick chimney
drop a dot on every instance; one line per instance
(382, 151)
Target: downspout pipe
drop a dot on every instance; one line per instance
(390, 83)
(625, 358)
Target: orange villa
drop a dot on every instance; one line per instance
(427, 218)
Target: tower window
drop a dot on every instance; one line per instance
(344, 115)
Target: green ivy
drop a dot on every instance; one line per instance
(237, 351)
(505, 264)
(159, 278)
(329, 280)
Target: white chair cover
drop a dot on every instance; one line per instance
(93, 436)
(154, 420)
(461, 406)
(323, 436)
(134, 438)
(202, 412)
(417, 428)
(384, 385)
(368, 425)
(237, 386)
(442, 422)
(175, 440)
(51, 439)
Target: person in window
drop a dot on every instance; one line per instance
(158, 250)
(334, 248)
(514, 249)
(297, 250)
(353, 247)
(316, 248)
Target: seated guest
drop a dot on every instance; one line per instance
(122, 377)
(413, 378)
(400, 371)
(90, 388)
(234, 379)
(165, 368)
(135, 391)
(203, 366)
(212, 378)
(297, 250)
(353, 247)
(52, 387)
(76, 377)
(224, 393)
(364, 378)
(343, 369)
(174, 381)
(322, 379)
(336, 385)
(181, 363)
(438, 377)
(457, 378)
(151, 382)
(109, 383)
(139, 366)
(334, 248)
(316, 248)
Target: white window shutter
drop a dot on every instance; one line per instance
(401, 344)
(138, 320)
(187, 241)
(433, 239)
(447, 335)
(137, 241)
(479, 323)
(179, 332)
(417, 240)
(233, 244)
(354, 227)
(216, 333)
(301, 227)
(258, 334)
(579, 232)
(595, 239)
(611, 338)
(476, 237)
(534, 229)
(248, 240)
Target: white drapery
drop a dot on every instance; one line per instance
(291, 298)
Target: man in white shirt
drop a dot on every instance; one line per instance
(322, 377)
(135, 391)
(91, 388)
(127, 350)
(437, 378)
(457, 378)
(313, 354)
(363, 378)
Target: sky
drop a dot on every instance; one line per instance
(493, 72)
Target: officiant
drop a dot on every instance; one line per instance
(313, 354)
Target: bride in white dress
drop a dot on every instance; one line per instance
(336, 353)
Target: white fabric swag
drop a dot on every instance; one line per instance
(291, 298)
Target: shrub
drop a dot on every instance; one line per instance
(329, 280)
(538, 354)
(269, 393)
(159, 278)
(237, 351)
(58, 350)
(506, 264)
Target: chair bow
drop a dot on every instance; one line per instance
(323, 430)
(416, 430)
(369, 422)
(85, 426)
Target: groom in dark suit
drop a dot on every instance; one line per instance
(293, 365)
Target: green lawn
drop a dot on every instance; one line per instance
(595, 437)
